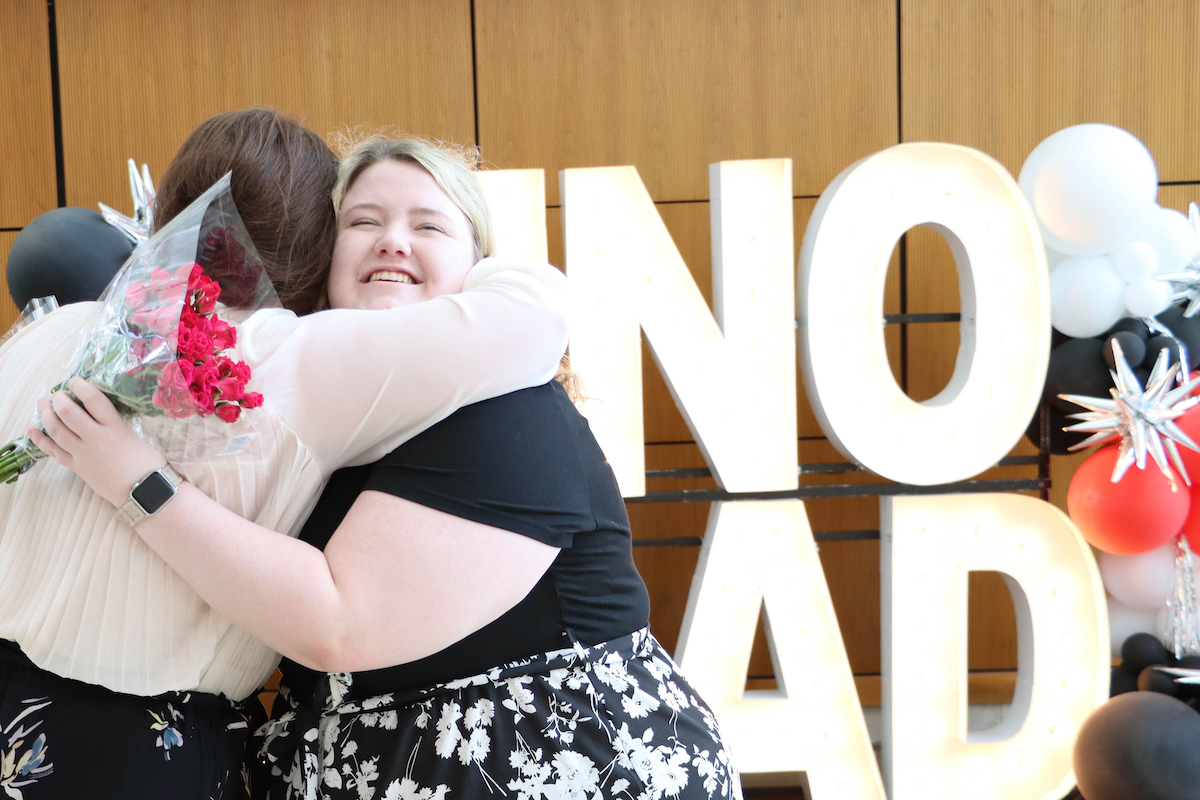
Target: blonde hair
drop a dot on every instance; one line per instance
(452, 167)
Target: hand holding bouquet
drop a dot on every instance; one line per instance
(158, 347)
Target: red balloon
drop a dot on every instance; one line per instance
(1189, 423)
(1134, 515)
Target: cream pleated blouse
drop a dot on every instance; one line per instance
(85, 597)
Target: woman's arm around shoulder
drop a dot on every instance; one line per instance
(355, 384)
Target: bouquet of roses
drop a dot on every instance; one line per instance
(157, 347)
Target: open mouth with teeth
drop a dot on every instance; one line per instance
(391, 277)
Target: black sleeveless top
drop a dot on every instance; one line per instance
(525, 462)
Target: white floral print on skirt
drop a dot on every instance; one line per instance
(615, 720)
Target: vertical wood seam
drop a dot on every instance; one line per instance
(60, 169)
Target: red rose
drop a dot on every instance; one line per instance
(205, 377)
(206, 297)
(163, 319)
(136, 295)
(231, 388)
(204, 400)
(177, 375)
(189, 273)
(202, 346)
(184, 340)
(229, 411)
(251, 400)
(176, 405)
(224, 335)
(189, 317)
(160, 277)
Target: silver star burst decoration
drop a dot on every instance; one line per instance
(1187, 283)
(1143, 418)
(137, 227)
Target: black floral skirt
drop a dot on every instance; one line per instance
(61, 738)
(615, 720)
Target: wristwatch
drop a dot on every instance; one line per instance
(149, 495)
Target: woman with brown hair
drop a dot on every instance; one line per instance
(116, 676)
(462, 616)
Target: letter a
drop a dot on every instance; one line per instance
(761, 555)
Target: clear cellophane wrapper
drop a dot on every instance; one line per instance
(161, 342)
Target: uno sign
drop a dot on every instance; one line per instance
(732, 374)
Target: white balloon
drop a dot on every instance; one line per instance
(1124, 622)
(1170, 234)
(1091, 187)
(1147, 297)
(1086, 296)
(1144, 581)
(1054, 258)
(1134, 260)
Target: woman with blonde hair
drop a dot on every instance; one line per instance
(462, 616)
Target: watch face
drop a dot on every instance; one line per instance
(151, 493)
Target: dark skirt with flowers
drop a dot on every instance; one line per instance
(615, 720)
(61, 738)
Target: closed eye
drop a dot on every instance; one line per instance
(429, 226)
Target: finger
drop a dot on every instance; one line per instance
(71, 413)
(95, 401)
(47, 446)
(54, 427)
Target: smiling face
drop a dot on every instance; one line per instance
(400, 241)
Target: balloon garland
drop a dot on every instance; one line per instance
(1125, 306)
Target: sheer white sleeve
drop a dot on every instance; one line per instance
(353, 385)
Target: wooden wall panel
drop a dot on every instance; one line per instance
(137, 77)
(8, 311)
(673, 85)
(1179, 197)
(1001, 75)
(28, 185)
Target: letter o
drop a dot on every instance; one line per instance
(1005, 338)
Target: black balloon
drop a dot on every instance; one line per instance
(1139, 745)
(1077, 367)
(1156, 344)
(1186, 330)
(71, 253)
(1129, 325)
(1154, 680)
(1142, 650)
(1120, 682)
(1060, 440)
(1132, 347)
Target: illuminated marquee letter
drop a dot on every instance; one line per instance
(517, 201)
(929, 545)
(732, 377)
(761, 555)
(1005, 329)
